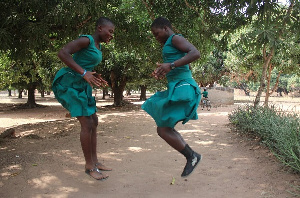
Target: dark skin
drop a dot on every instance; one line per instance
(170, 135)
(88, 134)
(161, 35)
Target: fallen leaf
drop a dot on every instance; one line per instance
(173, 181)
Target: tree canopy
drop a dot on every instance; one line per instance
(243, 38)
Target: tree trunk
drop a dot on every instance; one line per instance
(20, 93)
(104, 93)
(43, 93)
(268, 94)
(143, 92)
(118, 96)
(9, 92)
(31, 97)
(128, 92)
(268, 77)
(111, 95)
(267, 60)
(118, 84)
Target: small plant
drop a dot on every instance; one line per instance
(278, 130)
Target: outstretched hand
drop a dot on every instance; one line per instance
(95, 79)
(161, 70)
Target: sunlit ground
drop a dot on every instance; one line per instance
(56, 112)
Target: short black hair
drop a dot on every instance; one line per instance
(161, 22)
(103, 21)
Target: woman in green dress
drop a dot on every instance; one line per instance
(180, 101)
(73, 84)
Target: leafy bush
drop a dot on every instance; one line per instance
(278, 130)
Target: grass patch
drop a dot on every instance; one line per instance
(278, 130)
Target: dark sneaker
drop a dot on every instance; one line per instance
(191, 163)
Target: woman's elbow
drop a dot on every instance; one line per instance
(61, 53)
(197, 55)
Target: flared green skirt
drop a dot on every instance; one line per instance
(178, 103)
(74, 93)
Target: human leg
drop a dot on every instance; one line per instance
(94, 144)
(87, 123)
(174, 139)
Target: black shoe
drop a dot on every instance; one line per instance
(191, 163)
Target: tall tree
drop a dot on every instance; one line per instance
(30, 28)
(262, 46)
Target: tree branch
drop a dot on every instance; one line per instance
(277, 82)
(193, 8)
(149, 10)
(80, 25)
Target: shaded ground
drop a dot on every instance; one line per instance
(46, 159)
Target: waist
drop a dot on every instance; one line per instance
(179, 76)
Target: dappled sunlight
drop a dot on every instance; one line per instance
(72, 172)
(213, 114)
(205, 143)
(3, 148)
(10, 122)
(210, 134)
(225, 145)
(65, 154)
(113, 156)
(68, 152)
(147, 135)
(54, 165)
(66, 190)
(11, 171)
(50, 181)
(102, 117)
(24, 133)
(137, 149)
(240, 159)
(44, 181)
(138, 102)
(190, 131)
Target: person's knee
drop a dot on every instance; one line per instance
(87, 125)
(95, 121)
(161, 131)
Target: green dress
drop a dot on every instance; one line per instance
(70, 89)
(181, 99)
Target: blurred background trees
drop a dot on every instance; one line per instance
(252, 45)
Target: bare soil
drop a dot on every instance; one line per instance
(45, 159)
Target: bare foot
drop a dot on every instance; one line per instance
(96, 174)
(102, 167)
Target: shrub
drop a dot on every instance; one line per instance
(278, 130)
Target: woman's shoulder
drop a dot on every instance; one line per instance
(89, 37)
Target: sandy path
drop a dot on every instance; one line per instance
(50, 164)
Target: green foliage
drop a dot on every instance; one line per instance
(278, 130)
(5, 77)
(32, 30)
(49, 64)
(212, 70)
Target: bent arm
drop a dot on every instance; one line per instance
(65, 54)
(185, 46)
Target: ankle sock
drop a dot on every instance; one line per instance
(187, 151)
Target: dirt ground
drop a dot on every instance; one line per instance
(45, 160)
